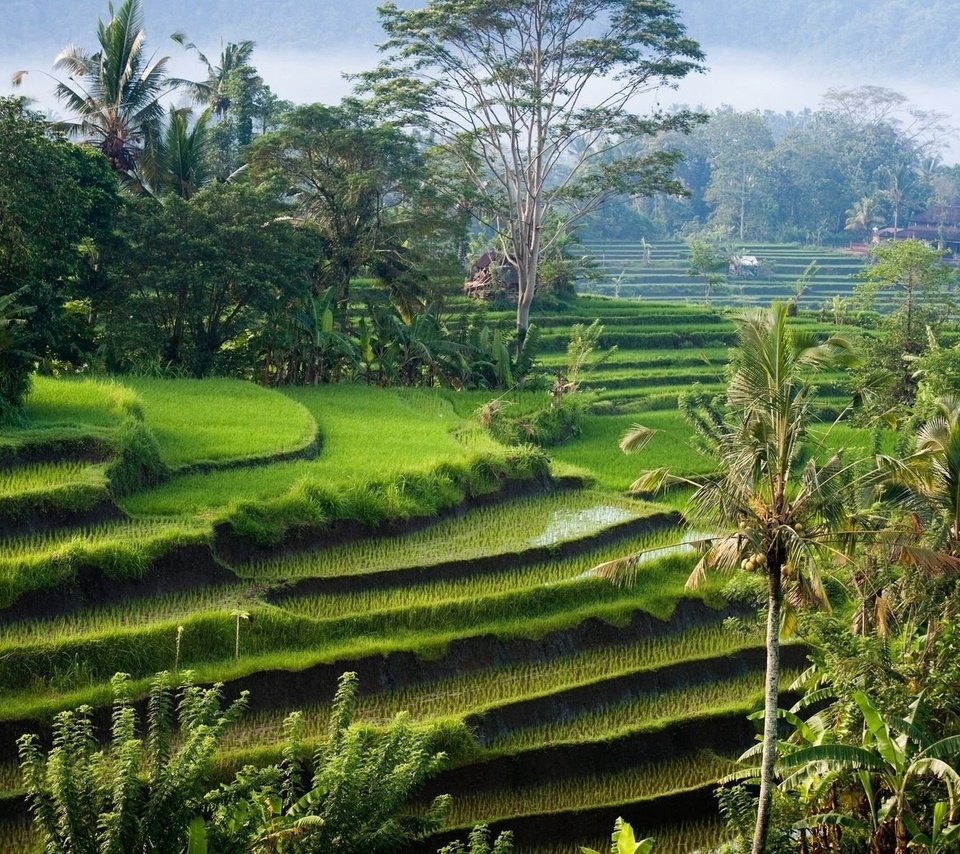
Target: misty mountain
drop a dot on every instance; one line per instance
(902, 37)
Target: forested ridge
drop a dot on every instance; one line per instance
(890, 37)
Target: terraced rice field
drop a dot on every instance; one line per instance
(665, 276)
(485, 620)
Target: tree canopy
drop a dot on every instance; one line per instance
(535, 97)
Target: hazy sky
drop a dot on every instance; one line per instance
(742, 79)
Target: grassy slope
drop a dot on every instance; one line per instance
(397, 431)
(228, 420)
(372, 434)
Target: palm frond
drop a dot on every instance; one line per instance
(636, 438)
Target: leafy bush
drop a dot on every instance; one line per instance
(140, 794)
(16, 361)
(357, 798)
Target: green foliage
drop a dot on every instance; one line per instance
(187, 278)
(623, 841)
(442, 74)
(358, 798)
(15, 362)
(143, 792)
(710, 262)
(921, 286)
(230, 420)
(351, 181)
(562, 419)
(938, 374)
(116, 91)
(885, 772)
(241, 104)
(311, 504)
(479, 843)
(56, 205)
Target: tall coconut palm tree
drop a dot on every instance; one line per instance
(772, 507)
(183, 160)
(212, 92)
(115, 92)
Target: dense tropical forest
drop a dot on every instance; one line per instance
(317, 528)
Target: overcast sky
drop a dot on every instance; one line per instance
(742, 79)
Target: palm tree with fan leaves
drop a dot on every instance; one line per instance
(115, 92)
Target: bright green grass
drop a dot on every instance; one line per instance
(471, 589)
(208, 637)
(87, 402)
(369, 434)
(216, 420)
(55, 544)
(47, 477)
(123, 549)
(590, 790)
(471, 692)
(542, 520)
(693, 357)
(132, 613)
(597, 448)
(57, 675)
(163, 609)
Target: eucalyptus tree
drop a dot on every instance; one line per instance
(772, 507)
(115, 92)
(533, 96)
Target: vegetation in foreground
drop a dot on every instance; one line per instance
(147, 263)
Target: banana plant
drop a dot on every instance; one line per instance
(624, 841)
(893, 756)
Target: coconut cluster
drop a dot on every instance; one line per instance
(754, 562)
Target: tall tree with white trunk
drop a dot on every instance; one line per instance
(537, 97)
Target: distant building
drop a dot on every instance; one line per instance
(492, 275)
(938, 225)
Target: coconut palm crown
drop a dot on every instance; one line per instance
(115, 92)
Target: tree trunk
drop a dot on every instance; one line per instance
(770, 704)
(526, 285)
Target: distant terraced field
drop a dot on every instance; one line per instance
(665, 276)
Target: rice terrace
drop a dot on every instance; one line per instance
(472, 467)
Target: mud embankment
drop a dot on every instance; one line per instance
(235, 549)
(283, 690)
(563, 705)
(183, 568)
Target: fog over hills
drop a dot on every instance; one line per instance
(780, 56)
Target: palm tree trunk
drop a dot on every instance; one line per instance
(770, 704)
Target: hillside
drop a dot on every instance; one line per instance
(256, 542)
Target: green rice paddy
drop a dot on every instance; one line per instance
(643, 781)
(230, 420)
(509, 580)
